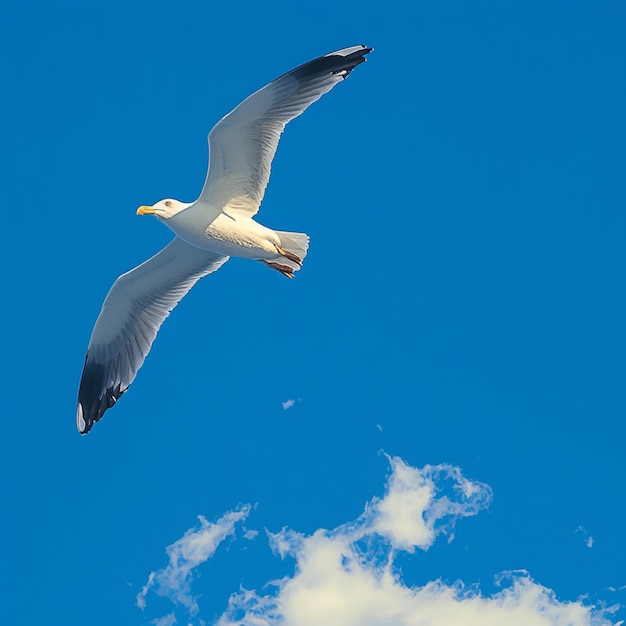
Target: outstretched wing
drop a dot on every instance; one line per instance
(242, 144)
(131, 316)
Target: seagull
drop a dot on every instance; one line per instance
(218, 225)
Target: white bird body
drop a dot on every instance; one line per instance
(218, 225)
(228, 234)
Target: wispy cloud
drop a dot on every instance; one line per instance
(419, 504)
(287, 404)
(166, 620)
(195, 547)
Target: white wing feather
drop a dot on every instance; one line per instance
(242, 144)
(131, 316)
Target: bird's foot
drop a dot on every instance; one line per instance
(285, 270)
(289, 255)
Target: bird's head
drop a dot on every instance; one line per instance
(164, 208)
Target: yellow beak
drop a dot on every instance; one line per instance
(145, 210)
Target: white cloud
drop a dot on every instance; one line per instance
(192, 549)
(347, 577)
(250, 534)
(166, 620)
(419, 504)
(367, 600)
(287, 404)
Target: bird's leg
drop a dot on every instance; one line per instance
(289, 255)
(285, 270)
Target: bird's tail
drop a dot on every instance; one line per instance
(296, 243)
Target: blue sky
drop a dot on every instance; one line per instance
(461, 308)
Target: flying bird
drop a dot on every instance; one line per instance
(218, 225)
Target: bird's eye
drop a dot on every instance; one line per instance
(168, 203)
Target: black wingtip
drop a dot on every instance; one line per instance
(338, 62)
(354, 58)
(94, 398)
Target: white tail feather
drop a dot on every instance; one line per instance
(297, 243)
